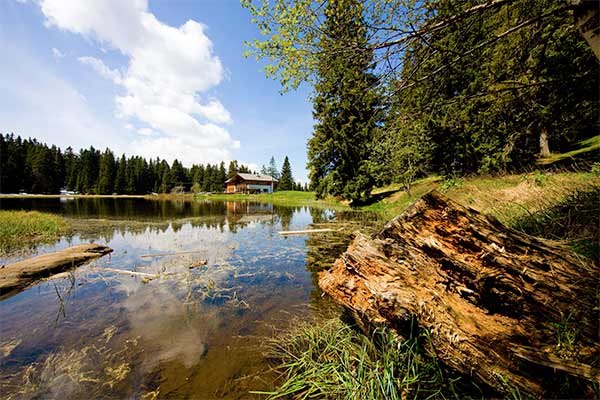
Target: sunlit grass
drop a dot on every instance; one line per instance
(507, 197)
(591, 146)
(22, 228)
(290, 198)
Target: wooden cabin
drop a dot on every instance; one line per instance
(251, 183)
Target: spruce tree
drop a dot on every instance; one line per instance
(121, 179)
(346, 106)
(107, 173)
(272, 169)
(233, 168)
(286, 181)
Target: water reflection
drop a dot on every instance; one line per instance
(195, 330)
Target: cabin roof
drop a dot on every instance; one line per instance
(252, 177)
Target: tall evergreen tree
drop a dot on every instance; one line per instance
(121, 178)
(43, 171)
(106, 177)
(178, 174)
(233, 168)
(346, 106)
(70, 168)
(272, 170)
(286, 181)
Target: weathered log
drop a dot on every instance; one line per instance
(489, 296)
(18, 276)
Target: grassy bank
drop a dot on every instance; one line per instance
(284, 198)
(506, 197)
(20, 229)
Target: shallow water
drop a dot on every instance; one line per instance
(195, 330)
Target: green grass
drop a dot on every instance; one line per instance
(20, 229)
(591, 146)
(284, 198)
(332, 360)
(507, 197)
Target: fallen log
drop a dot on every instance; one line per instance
(18, 276)
(490, 297)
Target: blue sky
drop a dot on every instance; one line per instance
(154, 78)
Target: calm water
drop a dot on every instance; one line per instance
(195, 331)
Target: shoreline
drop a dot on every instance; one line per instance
(95, 196)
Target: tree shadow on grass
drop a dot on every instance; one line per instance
(374, 198)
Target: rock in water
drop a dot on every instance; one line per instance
(492, 298)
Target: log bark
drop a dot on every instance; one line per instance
(489, 296)
(18, 276)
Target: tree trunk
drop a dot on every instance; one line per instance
(490, 296)
(544, 146)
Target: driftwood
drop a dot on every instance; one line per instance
(493, 299)
(20, 275)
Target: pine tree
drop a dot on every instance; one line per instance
(233, 168)
(286, 181)
(121, 179)
(106, 178)
(70, 168)
(42, 170)
(346, 106)
(178, 177)
(271, 170)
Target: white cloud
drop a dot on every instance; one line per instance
(101, 68)
(57, 53)
(146, 132)
(168, 72)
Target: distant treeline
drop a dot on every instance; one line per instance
(27, 165)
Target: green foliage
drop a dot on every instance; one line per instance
(346, 107)
(566, 337)
(489, 111)
(401, 152)
(286, 180)
(451, 183)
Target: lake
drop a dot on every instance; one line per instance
(224, 281)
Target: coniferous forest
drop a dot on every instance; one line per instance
(29, 166)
